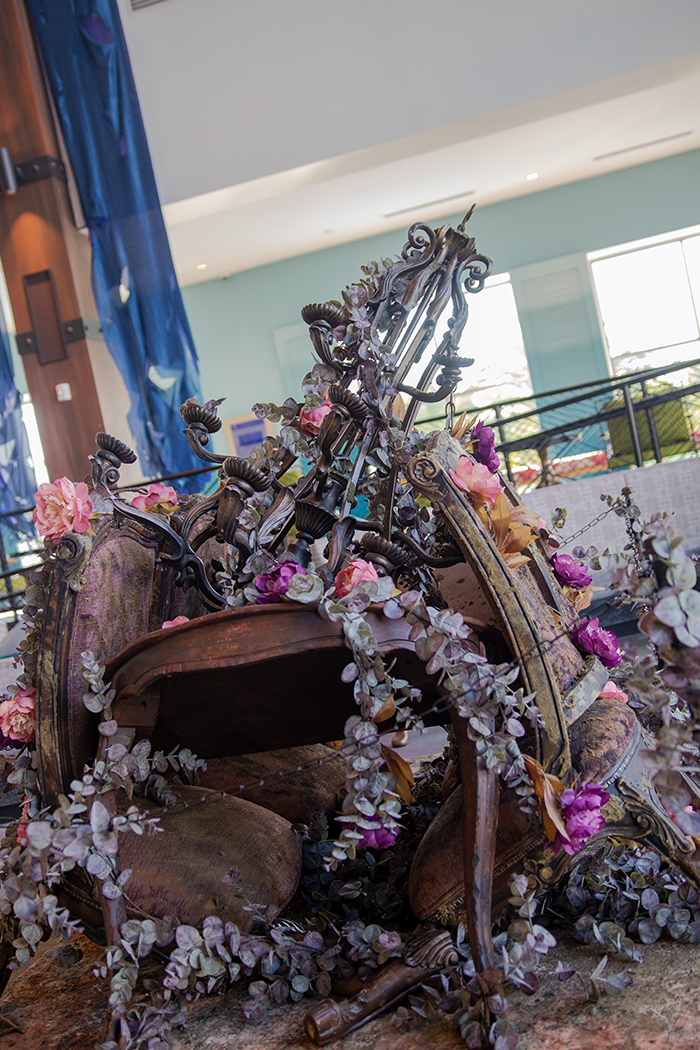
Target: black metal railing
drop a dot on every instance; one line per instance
(597, 427)
(560, 435)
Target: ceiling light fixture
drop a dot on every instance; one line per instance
(532, 176)
(430, 204)
(201, 266)
(643, 145)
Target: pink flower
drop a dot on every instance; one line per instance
(274, 585)
(570, 571)
(158, 499)
(581, 811)
(611, 692)
(61, 507)
(354, 573)
(310, 419)
(477, 480)
(18, 716)
(589, 637)
(176, 622)
(377, 837)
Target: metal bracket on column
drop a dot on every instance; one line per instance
(12, 175)
(77, 328)
(40, 168)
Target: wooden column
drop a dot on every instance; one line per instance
(46, 260)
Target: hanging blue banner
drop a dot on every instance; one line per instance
(137, 295)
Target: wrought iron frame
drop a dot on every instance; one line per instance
(435, 268)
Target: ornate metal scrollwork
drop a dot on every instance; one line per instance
(332, 313)
(387, 322)
(111, 453)
(651, 819)
(423, 471)
(242, 480)
(349, 404)
(386, 556)
(431, 948)
(202, 421)
(72, 556)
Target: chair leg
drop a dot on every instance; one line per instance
(9, 930)
(427, 951)
(479, 819)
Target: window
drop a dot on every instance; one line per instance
(492, 336)
(494, 339)
(649, 300)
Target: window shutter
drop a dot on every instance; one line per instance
(559, 320)
(294, 355)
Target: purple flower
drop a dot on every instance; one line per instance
(589, 637)
(483, 449)
(274, 585)
(377, 837)
(581, 812)
(570, 571)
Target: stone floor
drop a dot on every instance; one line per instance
(59, 1008)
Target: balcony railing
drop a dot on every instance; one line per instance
(542, 439)
(598, 427)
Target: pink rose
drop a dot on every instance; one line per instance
(176, 622)
(354, 573)
(158, 499)
(477, 480)
(18, 716)
(310, 419)
(611, 692)
(61, 507)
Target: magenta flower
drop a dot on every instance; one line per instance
(581, 812)
(589, 637)
(377, 837)
(175, 623)
(483, 448)
(570, 571)
(274, 585)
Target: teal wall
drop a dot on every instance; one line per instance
(233, 319)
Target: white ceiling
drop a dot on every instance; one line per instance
(280, 128)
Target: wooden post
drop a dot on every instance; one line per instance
(46, 261)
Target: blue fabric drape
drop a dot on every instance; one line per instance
(137, 295)
(17, 481)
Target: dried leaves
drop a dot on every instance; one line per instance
(547, 790)
(511, 533)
